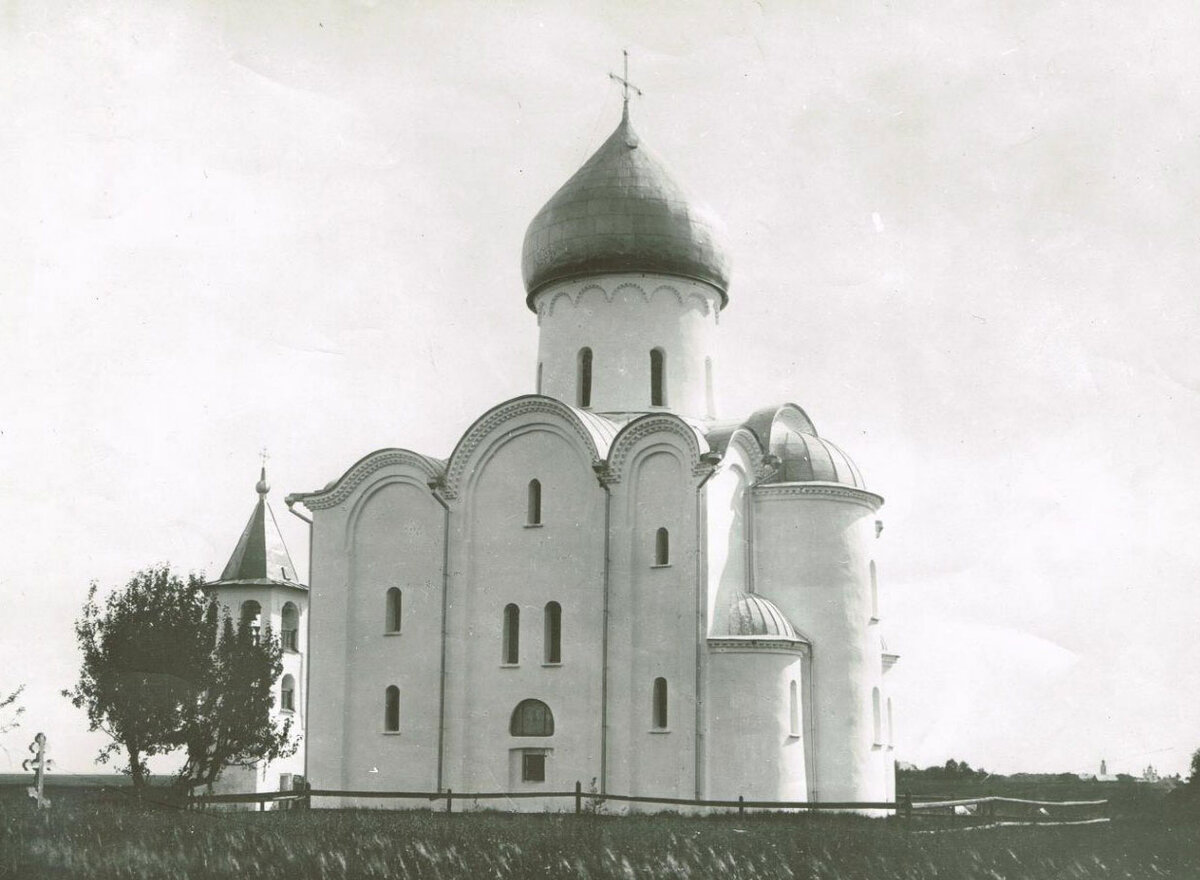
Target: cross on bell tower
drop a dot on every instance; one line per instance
(626, 85)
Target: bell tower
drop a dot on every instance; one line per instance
(260, 589)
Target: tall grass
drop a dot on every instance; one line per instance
(109, 835)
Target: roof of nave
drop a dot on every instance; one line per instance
(261, 557)
(623, 212)
(786, 435)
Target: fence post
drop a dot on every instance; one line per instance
(741, 809)
(449, 801)
(906, 806)
(578, 797)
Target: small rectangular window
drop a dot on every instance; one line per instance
(533, 767)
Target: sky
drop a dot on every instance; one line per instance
(964, 238)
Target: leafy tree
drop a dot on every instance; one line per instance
(7, 701)
(144, 656)
(230, 725)
(1194, 779)
(162, 670)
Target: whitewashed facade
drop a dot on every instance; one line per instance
(606, 580)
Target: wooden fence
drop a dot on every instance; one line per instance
(986, 807)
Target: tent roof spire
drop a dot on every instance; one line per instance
(261, 557)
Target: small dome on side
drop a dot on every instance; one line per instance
(754, 615)
(806, 458)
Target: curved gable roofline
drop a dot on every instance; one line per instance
(595, 431)
(338, 490)
(722, 436)
(760, 422)
(645, 426)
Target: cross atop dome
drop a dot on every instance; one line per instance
(626, 85)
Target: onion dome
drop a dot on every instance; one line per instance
(754, 615)
(622, 212)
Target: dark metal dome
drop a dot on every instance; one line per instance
(622, 212)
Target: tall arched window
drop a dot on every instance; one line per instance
(290, 626)
(287, 694)
(658, 377)
(531, 718)
(553, 635)
(875, 715)
(250, 619)
(533, 508)
(392, 615)
(793, 710)
(874, 593)
(662, 547)
(512, 634)
(584, 389)
(659, 719)
(709, 398)
(391, 710)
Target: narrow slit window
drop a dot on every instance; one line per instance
(662, 547)
(394, 607)
(891, 730)
(709, 399)
(533, 513)
(658, 377)
(585, 378)
(391, 711)
(874, 593)
(512, 634)
(553, 637)
(877, 728)
(539, 378)
(793, 710)
(660, 704)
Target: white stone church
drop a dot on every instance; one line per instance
(608, 579)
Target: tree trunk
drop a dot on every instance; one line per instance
(135, 768)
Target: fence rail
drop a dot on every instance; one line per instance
(905, 807)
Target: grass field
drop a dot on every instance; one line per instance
(104, 833)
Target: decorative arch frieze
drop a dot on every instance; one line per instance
(701, 302)
(668, 290)
(744, 644)
(552, 300)
(487, 424)
(636, 292)
(342, 488)
(831, 491)
(646, 426)
(548, 301)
